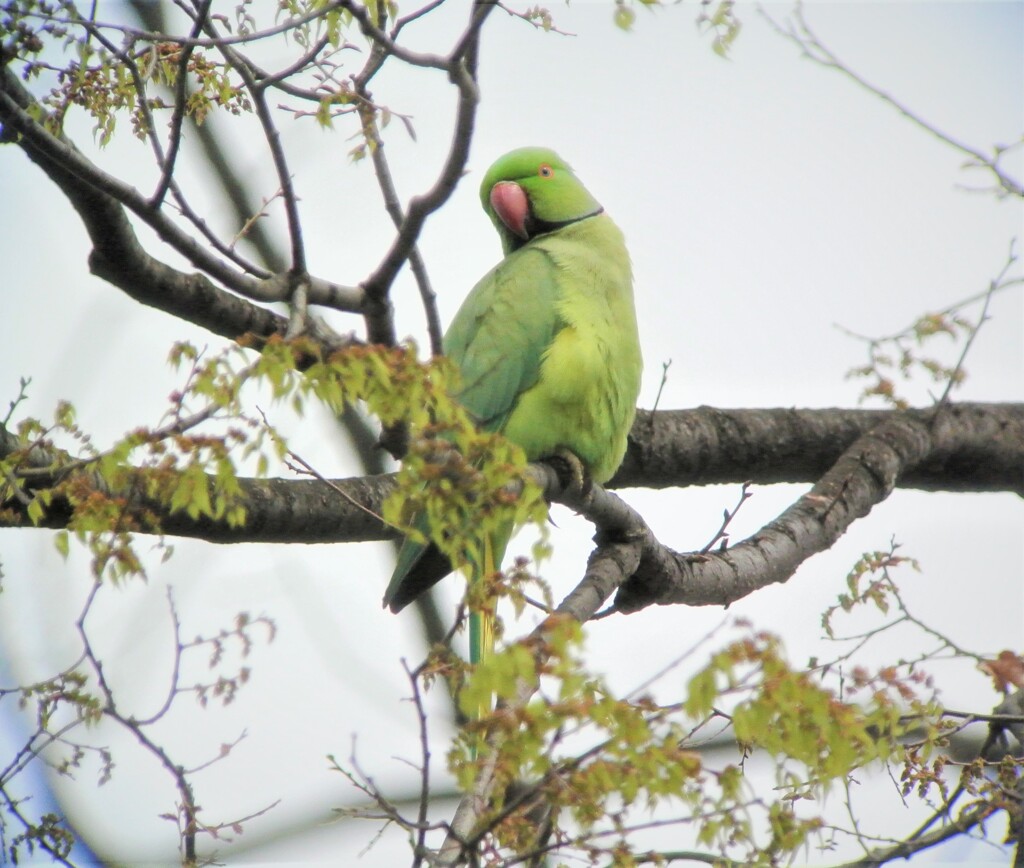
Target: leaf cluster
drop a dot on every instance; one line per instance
(868, 581)
(722, 23)
(48, 834)
(901, 356)
(599, 763)
(462, 480)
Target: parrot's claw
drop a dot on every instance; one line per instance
(572, 473)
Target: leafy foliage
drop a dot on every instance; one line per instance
(898, 357)
(49, 835)
(600, 762)
(461, 479)
(722, 23)
(573, 767)
(576, 766)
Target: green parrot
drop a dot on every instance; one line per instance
(546, 344)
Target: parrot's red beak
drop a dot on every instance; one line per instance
(512, 207)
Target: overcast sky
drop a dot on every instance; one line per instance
(764, 199)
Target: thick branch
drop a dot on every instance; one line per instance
(120, 259)
(707, 446)
(863, 476)
(984, 442)
(277, 510)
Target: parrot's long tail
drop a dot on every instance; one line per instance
(481, 629)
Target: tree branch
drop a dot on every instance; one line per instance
(273, 140)
(709, 446)
(157, 34)
(67, 167)
(815, 50)
(382, 171)
(863, 475)
(668, 448)
(645, 572)
(461, 66)
(372, 32)
(954, 827)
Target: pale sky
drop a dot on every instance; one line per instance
(764, 200)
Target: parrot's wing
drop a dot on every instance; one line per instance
(497, 340)
(500, 334)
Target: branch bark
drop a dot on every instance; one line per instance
(970, 447)
(863, 475)
(708, 446)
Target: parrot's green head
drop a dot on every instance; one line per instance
(532, 191)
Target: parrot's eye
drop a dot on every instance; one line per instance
(545, 171)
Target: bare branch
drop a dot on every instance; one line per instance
(223, 166)
(68, 168)
(864, 475)
(178, 115)
(135, 34)
(968, 819)
(273, 139)
(375, 34)
(385, 181)
(993, 287)
(394, 208)
(815, 50)
(461, 66)
(413, 16)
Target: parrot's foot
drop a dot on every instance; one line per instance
(572, 473)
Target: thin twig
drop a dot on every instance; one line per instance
(375, 34)
(178, 115)
(133, 34)
(982, 319)
(424, 801)
(815, 50)
(461, 67)
(393, 206)
(273, 140)
(413, 16)
(23, 384)
(265, 80)
(175, 672)
(661, 385)
(727, 517)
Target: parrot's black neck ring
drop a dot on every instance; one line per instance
(542, 227)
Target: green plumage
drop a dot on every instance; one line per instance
(546, 342)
